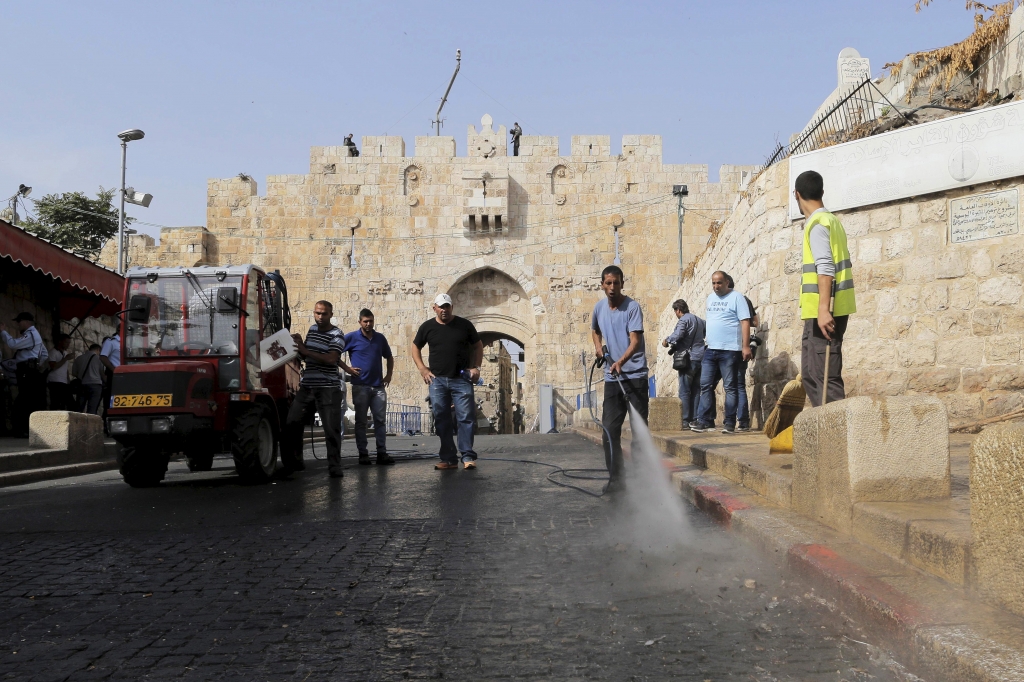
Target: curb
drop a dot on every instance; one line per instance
(936, 629)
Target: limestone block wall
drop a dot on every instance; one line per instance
(934, 317)
(384, 231)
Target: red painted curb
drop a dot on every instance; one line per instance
(872, 599)
(717, 504)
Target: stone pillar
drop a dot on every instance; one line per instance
(868, 450)
(997, 514)
(665, 414)
(78, 433)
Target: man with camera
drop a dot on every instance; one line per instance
(686, 345)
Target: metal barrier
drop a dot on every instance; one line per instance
(409, 418)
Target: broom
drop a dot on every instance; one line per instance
(788, 406)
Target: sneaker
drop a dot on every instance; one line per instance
(742, 429)
(697, 427)
(686, 425)
(365, 459)
(729, 430)
(385, 458)
(444, 466)
(470, 464)
(337, 474)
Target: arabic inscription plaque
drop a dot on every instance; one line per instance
(983, 216)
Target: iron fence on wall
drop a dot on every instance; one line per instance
(855, 115)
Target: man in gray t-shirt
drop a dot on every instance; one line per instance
(618, 323)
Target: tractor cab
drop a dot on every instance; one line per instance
(191, 367)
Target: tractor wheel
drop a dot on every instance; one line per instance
(254, 445)
(199, 456)
(143, 467)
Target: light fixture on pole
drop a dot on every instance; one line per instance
(681, 191)
(125, 136)
(10, 214)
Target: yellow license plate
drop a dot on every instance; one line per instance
(143, 400)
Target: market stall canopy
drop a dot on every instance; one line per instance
(86, 289)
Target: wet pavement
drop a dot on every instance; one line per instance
(396, 572)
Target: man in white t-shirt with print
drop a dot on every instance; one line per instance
(728, 344)
(57, 380)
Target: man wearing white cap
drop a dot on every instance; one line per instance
(455, 356)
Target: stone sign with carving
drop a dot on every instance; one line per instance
(983, 216)
(567, 283)
(968, 149)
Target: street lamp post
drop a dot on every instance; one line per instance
(681, 191)
(126, 137)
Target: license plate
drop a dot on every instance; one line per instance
(142, 400)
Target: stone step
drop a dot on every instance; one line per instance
(52, 472)
(931, 535)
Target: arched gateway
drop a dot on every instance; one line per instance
(518, 241)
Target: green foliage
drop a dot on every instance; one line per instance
(75, 221)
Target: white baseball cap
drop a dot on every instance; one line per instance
(442, 299)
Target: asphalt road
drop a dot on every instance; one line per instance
(397, 572)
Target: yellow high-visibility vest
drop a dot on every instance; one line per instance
(842, 287)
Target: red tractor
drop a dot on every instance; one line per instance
(190, 378)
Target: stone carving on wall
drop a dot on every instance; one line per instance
(379, 287)
(329, 168)
(412, 180)
(568, 283)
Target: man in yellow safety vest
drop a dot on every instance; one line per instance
(826, 292)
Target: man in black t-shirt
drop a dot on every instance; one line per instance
(455, 356)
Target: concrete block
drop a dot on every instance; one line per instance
(868, 450)
(997, 514)
(72, 431)
(665, 414)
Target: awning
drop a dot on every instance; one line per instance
(86, 289)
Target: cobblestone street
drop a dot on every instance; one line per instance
(393, 573)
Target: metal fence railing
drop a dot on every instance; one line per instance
(850, 118)
(409, 419)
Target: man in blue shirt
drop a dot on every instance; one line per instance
(366, 349)
(728, 344)
(618, 322)
(29, 352)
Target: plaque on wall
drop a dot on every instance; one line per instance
(983, 216)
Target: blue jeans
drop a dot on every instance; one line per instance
(718, 364)
(374, 398)
(689, 390)
(445, 392)
(742, 407)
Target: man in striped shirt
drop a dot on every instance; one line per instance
(319, 389)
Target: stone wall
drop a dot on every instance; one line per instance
(933, 316)
(388, 231)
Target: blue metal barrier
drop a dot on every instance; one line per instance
(408, 418)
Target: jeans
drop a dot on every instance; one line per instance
(689, 390)
(374, 398)
(742, 407)
(329, 402)
(718, 364)
(445, 392)
(613, 413)
(89, 398)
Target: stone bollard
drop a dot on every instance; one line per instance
(868, 450)
(81, 434)
(997, 514)
(665, 414)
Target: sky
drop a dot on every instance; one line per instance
(222, 88)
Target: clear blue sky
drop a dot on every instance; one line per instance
(228, 87)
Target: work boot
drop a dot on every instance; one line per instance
(385, 458)
(364, 458)
(613, 486)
